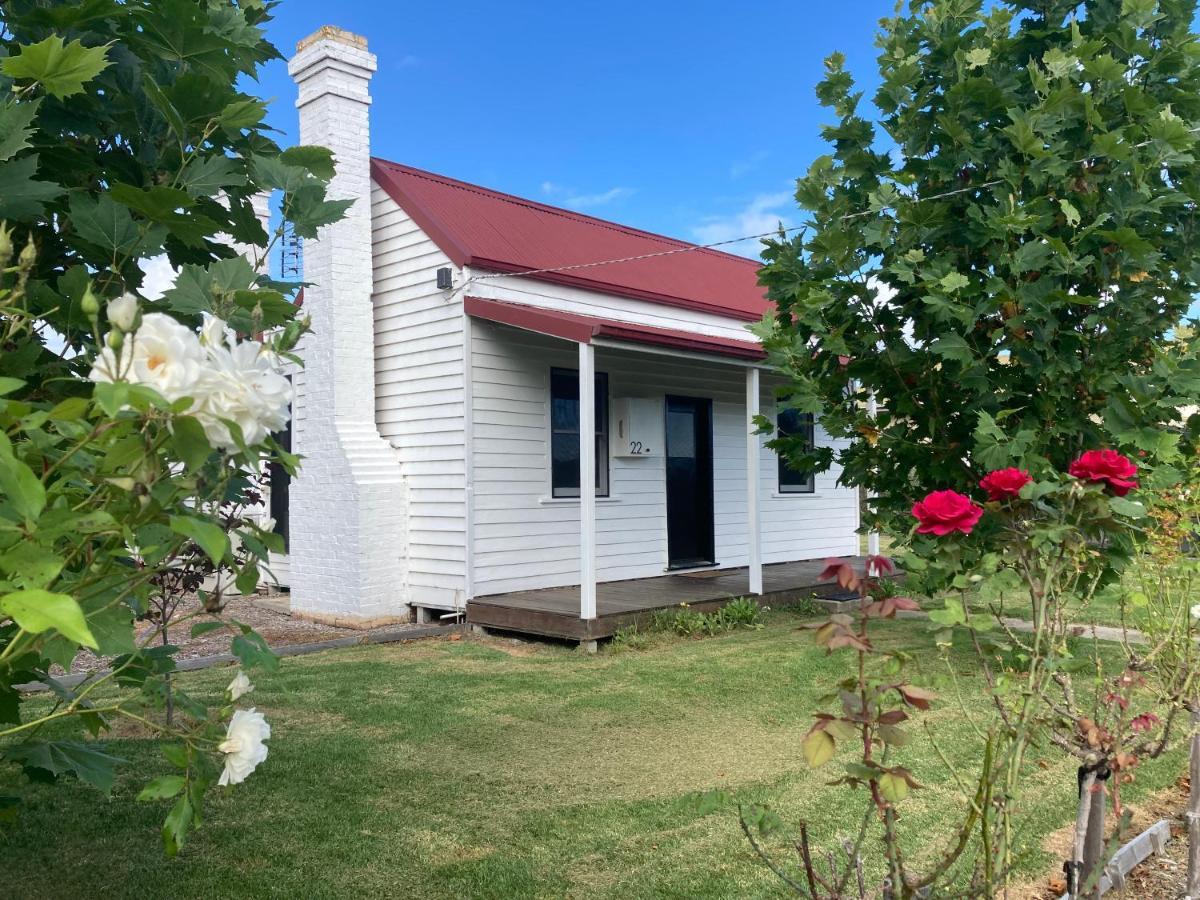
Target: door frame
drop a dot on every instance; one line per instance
(704, 440)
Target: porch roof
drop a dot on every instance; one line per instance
(583, 329)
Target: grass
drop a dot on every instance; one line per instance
(490, 769)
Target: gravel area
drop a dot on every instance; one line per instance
(266, 615)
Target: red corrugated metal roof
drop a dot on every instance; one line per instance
(489, 230)
(582, 329)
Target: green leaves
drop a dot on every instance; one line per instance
(252, 651)
(37, 610)
(894, 788)
(205, 176)
(110, 226)
(19, 486)
(45, 761)
(955, 347)
(60, 69)
(955, 281)
(211, 537)
(189, 441)
(1125, 507)
(22, 195)
(163, 788)
(197, 286)
(817, 747)
(15, 128)
(318, 161)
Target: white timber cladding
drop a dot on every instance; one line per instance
(419, 399)
(348, 515)
(524, 539)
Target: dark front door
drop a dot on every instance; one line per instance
(689, 482)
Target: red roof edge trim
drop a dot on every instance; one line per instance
(459, 255)
(530, 318)
(662, 337)
(584, 329)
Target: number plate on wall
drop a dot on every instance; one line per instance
(637, 427)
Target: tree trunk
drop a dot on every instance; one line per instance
(1193, 812)
(167, 677)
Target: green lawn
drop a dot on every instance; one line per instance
(487, 769)
(1101, 610)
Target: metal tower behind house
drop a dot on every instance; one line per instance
(291, 254)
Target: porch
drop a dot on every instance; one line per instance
(555, 612)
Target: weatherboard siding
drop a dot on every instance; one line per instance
(524, 539)
(419, 399)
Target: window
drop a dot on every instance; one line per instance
(564, 433)
(796, 424)
(280, 486)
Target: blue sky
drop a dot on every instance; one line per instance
(688, 119)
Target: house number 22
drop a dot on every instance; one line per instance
(636, 448)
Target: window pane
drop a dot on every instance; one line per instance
(564, 437)
(564, 400)
(601, 465)
(796, 424)
(601, 404)
(564, 451)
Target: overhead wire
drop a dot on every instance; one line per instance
(782, 230)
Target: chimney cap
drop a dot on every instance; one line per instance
(333, 33)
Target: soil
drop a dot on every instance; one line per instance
(1158, 877)
(268, 615)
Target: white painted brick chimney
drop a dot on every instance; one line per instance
(348, 542)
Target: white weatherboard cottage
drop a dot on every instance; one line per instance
(440, 410)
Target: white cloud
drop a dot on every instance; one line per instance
(160, 277)
(569, 197)
(765, 213)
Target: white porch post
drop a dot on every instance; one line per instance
(872, 537)
(587, 481)
(753, 487)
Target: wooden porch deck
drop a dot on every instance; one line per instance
(554, 612)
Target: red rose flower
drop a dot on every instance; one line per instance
(945, 511)
(1004, 484)
(1109, 466)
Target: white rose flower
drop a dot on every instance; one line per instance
(239, 687)
(122, 312)
(215, 333)
(243, 745)
(242, 385)
(228, 380)
(163, 354)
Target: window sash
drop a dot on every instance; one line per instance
(564, 433)
(791, 423)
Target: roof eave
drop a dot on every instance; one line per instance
(603, 287)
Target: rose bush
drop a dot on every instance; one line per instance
(135, 426)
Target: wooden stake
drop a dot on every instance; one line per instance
(1193, 812)
(1075, 877)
